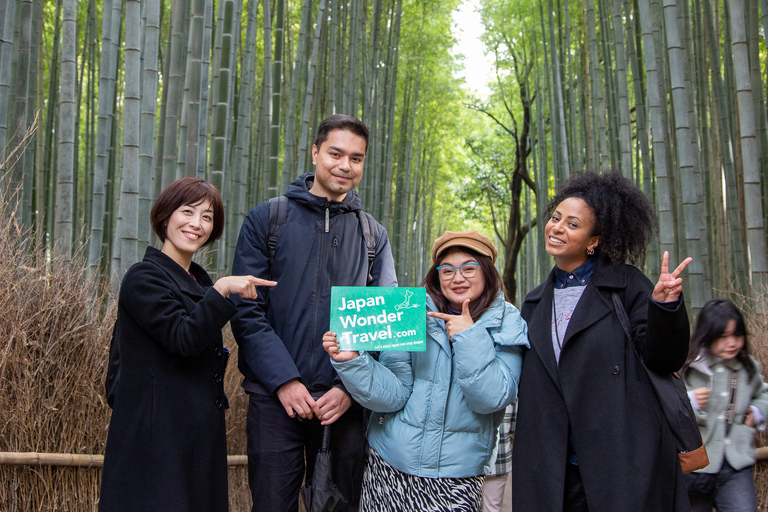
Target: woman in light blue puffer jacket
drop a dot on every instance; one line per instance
(436, 413)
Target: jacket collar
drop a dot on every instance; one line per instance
(704, 364)
(579, 277)
(592, 307)
(299, 192)
(194, 287)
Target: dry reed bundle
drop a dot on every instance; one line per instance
(55, 329)
(53, 350)
(755, 311)
(239, 492)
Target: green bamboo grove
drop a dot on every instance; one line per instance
(669, 92)
(103, 104)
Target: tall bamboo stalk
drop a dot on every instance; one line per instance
(559, 114)
(18, 122)
(8, 11)
(625, 135)
(596, 89)
(289, 153)
(65, 162)
(659, 131)
(685, 164)
(175, 83)
(749, 150)
(304, 132)
(277, 82)
(129, 193)
(148, 119)
(191, 107)
(111, 15)
(240, 155)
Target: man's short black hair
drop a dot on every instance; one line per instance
(341, 122)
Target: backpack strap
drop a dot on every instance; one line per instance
(371, 237)
(278, 213)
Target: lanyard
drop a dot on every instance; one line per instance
(557, 329)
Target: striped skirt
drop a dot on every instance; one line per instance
(385, 489)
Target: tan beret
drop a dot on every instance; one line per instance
(471, 239)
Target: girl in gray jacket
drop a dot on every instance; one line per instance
(730, 399)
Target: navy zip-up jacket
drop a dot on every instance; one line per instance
(280, 333)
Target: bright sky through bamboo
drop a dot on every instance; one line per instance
(477, 64)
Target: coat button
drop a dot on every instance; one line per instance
(217, 378)
(219, 404)
(217, 351)
(616, 370)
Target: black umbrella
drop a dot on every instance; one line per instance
(322, 495)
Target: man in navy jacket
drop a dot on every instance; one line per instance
(293, 389)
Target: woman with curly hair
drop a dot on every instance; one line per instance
(590, 433)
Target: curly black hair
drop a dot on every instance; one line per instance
(624, 218)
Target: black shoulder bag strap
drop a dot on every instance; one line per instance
(675, 405)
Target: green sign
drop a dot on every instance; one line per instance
(379, 318)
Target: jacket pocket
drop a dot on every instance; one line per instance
(740, 446)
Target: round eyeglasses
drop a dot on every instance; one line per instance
(468, 270)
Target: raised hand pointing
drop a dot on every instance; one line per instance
(455, 323)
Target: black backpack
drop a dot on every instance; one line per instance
(278, 213)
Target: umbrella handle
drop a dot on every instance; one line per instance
(326, 437)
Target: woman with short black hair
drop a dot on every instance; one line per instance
(166, 447)
(590, 433)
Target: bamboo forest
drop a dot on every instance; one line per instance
(105, 103)
(102, 105)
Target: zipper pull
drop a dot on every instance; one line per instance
(327, 217)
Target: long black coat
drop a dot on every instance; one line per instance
(166, 448)
(627, 456)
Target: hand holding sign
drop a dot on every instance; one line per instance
(455, 323)
(331, 345)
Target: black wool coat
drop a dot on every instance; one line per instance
(166, 448)
(602, 394)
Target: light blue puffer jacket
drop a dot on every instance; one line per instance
(436, 412)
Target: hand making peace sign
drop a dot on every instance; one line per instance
(455, 323)
(670, 286)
